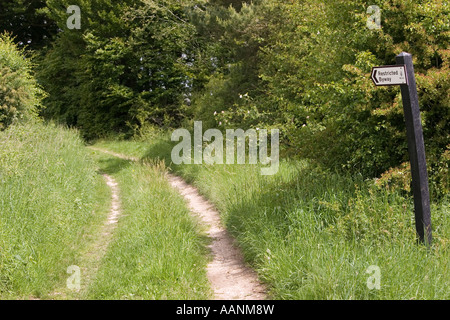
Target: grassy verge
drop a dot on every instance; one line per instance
(313, 234)
(49, 194)
(156, 251)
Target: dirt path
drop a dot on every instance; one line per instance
(230, 278)
(115, 201)
(90, 259)
(100, 245)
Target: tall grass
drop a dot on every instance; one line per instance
(48, 195)
(313, 234)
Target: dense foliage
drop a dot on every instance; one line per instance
(20, 95)
(128, 65)
(304, 66)
(300, 66)
(27, 21)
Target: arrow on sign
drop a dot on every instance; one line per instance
(389, 75)
(374, 74)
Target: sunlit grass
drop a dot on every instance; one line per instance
(312, 234)
(50, 193)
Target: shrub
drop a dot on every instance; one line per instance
(20, 94)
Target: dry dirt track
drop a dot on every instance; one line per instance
(229, 277)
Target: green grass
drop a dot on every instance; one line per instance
(54, 203)
(312, 234)
(157, 251)
(50, 194)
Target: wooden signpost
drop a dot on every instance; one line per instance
(403, 74)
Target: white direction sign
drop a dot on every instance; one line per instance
(389, 75)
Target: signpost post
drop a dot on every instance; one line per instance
(403, 74)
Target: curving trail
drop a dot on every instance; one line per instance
(229, 277)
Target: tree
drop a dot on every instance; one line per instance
(129, 65)
(27, 23)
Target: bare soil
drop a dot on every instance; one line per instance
(230, 278)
